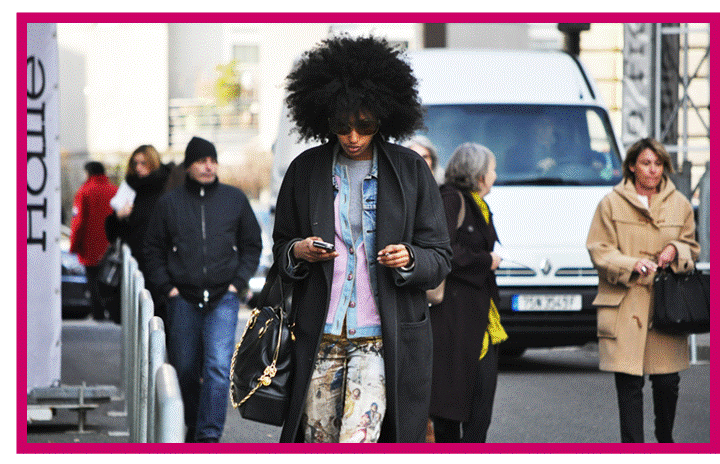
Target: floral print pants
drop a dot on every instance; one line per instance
(346, 398)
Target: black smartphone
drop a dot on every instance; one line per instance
(324, 245)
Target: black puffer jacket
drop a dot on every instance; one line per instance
(202, 239)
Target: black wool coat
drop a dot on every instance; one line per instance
(132, 230)
(409, 211)
(460, 321)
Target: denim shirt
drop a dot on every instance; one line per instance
(353, 297)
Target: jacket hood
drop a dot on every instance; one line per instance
(626, 189)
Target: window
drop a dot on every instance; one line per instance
(533, 144)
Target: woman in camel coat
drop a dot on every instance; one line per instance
(643, 224)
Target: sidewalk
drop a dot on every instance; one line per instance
(91, 353)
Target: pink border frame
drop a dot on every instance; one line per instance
(23, 447)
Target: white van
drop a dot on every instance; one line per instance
(557, 156)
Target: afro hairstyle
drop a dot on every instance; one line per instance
(343, 76)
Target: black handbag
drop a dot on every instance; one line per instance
(110, 266)
(262, 369)
(682, 302)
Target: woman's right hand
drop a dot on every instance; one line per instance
(125, 211)
(304, 249)
(645, 267)
(496, 259)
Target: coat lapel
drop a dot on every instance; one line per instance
(322, 212)
(486, 229)
(391, 206)
(322, 215)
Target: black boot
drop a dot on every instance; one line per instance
(666, 388)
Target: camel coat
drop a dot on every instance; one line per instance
(622, 231)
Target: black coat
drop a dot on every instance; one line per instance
(409, 211)
(460, 321)
(202, 238)
(132, 229)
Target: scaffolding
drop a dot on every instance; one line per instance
(666, 95)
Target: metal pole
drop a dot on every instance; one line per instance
(145, 313)
(124, 311)
(704, 216)
(135, 288)
(169, 419)
(157, 357)
(657, 73)
(693, 349)
(686, 84)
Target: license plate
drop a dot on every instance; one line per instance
(546, 302)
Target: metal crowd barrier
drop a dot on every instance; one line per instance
(152, 394)
(169, 424)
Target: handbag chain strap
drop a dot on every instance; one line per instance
(266, 378)
(270, 371)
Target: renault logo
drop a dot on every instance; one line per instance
(545, 266)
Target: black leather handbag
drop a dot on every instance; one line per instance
(111, 265)
(262, 369)
(682, 302)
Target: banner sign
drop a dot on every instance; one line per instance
(44, 321)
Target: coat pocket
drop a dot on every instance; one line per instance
(607, 322)
(608, 304)
(414, 379)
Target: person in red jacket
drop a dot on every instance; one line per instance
(87, 237)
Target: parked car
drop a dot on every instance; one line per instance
(75, 294)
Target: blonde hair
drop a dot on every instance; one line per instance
(152, 157)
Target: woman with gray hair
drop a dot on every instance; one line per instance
(425, 148)
(466, 324)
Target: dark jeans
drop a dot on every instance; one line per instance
(200, 347)
(665, 389)
(476, 428)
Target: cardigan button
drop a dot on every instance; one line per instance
(352, 304)
(350, 276)
(351, 331)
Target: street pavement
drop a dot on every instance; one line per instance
(546, 396)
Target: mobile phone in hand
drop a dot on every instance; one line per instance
(324, 245)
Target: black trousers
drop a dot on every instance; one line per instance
(96, 300)
(665, 389)
(475, 429)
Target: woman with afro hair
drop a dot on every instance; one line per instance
(362, 328)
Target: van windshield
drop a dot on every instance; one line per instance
(533, 144)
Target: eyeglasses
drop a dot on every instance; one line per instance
(362, 127)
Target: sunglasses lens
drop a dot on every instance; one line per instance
(362, 127)
(340, 128)
(366, 127)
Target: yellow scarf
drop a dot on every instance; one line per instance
(495, 332)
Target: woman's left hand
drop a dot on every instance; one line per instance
(667, 256)
(394, 256)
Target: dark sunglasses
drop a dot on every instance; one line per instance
(362, 127)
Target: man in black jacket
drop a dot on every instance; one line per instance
(202, 247)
